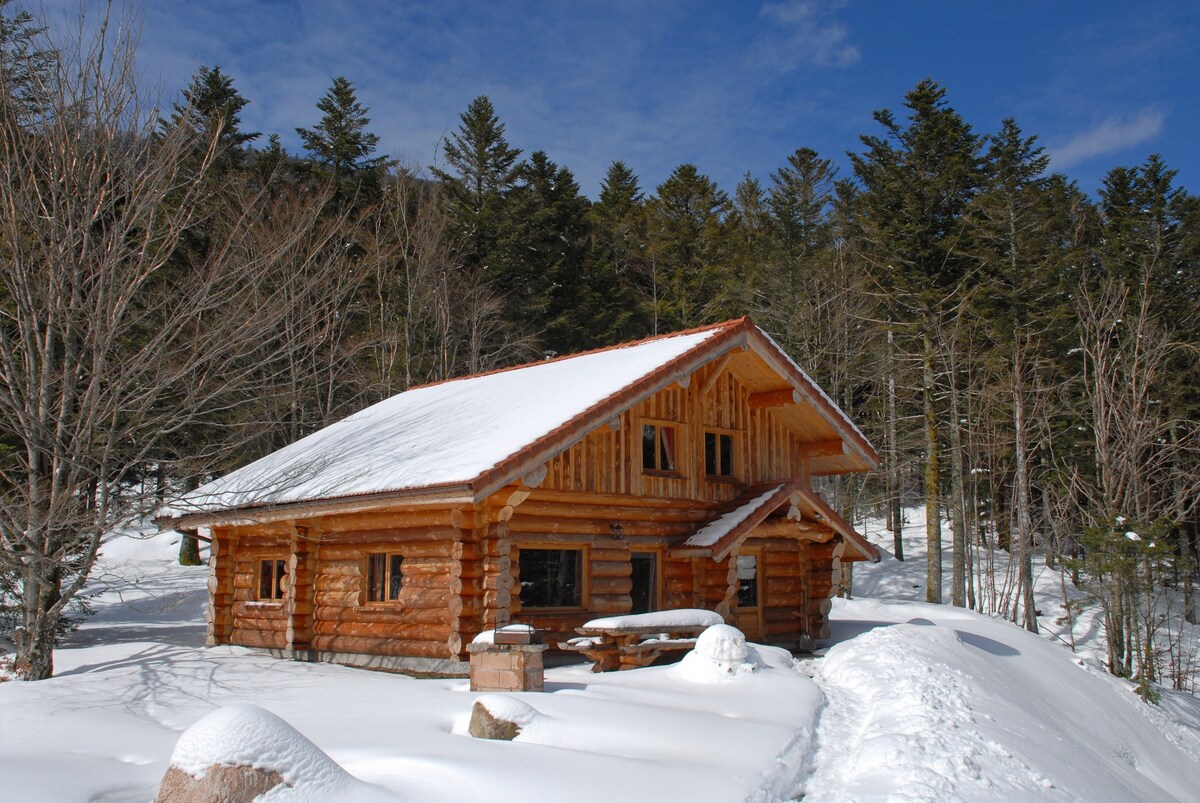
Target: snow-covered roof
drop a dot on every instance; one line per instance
(712, 532)
(476, 432)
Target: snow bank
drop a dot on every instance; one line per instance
(948, 704)
(243, 735)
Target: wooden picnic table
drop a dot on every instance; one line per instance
(629, 647)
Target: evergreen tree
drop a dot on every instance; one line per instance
(482, 169)
(539, 264)
(342, 145)
(24, 64)
(211, 108)
(916, 182)
(688, 255)
(617, 259)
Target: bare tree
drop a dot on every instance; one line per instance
(107, 351)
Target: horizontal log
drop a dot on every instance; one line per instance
(351, 567)
(338, 582)
(774, 398)
(610, 513)
(381, 646)
(587, 498)
(425, 597)
(259, 639)
(830, 448)
(389, 630)
(336, 599)
(258, 623)
(431, 582)
(610, 585)
(609, 553)
(384, 520)
(610, 568)
(414, 567)
(608, 605)
(781, 586)
(525, 527)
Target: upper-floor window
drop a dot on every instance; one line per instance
(270, 579)
(658, 447)
(718, 454)
(384, 577)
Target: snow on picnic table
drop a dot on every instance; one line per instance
(679, 617)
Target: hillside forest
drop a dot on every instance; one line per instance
(180, 295)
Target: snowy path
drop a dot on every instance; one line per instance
(946, 705)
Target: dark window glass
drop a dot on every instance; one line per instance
(270, 579)
(718, 454)
(551, 578)
(658, 447)
(747, 574)
(645, 582)
(384, 577)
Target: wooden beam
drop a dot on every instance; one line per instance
(833, 448)
(718, 368)
(774, 398)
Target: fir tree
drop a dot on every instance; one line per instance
(211, 108)
(341, 144)
(617, 259)
(481, 171)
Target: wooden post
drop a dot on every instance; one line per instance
(299, 599)
(220, 591)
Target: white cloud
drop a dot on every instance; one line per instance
(804, 35)
(1111, 134)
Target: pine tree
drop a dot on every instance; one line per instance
(917, 180)
(539, 264)
(342, 145)
(481, 171)
(617, 258)
(211, 108)
(24, 64)
(688, 255)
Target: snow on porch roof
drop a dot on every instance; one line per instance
(446, 434)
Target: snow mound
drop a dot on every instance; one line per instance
(721, 653)
(243, 735)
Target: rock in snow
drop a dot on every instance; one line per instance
(241, 751)
(495, 716)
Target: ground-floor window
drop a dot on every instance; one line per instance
(384, 577)
(270, 579)
(551, 578)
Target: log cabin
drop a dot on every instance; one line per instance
(672, 472)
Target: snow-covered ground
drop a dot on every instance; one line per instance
(911, 702)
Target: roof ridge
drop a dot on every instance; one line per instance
(745, 320)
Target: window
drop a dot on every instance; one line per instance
(384, 577)
(718, 454)
(658, 447)
(270, 579)
(551, 578)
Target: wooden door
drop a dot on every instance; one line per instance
(750, 590)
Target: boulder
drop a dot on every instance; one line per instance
(218, 785)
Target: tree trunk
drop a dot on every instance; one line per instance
(34, 659)
(895, 511)
(1024, 534)
(933, 525)
(958, 590)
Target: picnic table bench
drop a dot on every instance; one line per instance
(629, 642)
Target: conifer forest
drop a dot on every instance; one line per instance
(180, 295)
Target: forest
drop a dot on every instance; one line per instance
(180, 295)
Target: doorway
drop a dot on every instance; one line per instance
(749, 594)
(645, 590)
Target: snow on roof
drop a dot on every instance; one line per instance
(715, 530)
(437, 435)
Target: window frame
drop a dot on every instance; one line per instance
(718, 433)
(674, 443)
(388, 573)
(278, 591)
(583, 580)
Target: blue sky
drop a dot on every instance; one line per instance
(731, 86)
